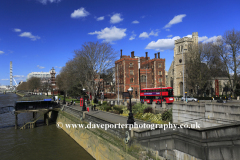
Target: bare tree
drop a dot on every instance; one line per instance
(197, 69)
(228, 47)
(91, 61)
(23, 86)
(46, 86)
(34, 83)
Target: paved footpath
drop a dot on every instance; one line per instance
(110, 117)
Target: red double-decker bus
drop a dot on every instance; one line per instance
(150, 95)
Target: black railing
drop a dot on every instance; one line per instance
(34, 105)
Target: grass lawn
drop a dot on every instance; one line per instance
(67, 99)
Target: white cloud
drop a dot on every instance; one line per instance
(40, 67)
(58, 67)
(51, 1)
(110, 34)
(81, 12)
(132, 36)
(4, 79)
(212, 39)
(116, 18)
(17, 30)
(169, 36)
(146, 35)
(152, 33)
(135, 22)
(205, 39)
(1, 52)
(18, 76)
(175, 20)
(162, 44)
(168, 44)
(29, 35)
(167, 29)
(200, 39)
(100, 18)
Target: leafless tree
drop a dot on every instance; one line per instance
(46, 86)
(91, 61)
(23, 86)
(198, 73)
(228, 47)
(34, 83)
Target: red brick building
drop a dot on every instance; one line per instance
(139, 72)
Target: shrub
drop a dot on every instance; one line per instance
(104, 102)
(105, 107)
(139, 108)
(167, 115)
(119, 109)
(148, 110)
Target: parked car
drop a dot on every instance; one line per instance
(189, 99)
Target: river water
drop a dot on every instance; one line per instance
(42, 142)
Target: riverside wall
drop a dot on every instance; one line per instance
(216, 142)
(95, 142)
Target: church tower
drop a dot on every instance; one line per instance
(178, 70)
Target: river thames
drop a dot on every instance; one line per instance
(42, 142)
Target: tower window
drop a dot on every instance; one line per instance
(131, 72)
(143, 78)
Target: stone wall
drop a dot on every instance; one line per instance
(207, 114)
(99, 145)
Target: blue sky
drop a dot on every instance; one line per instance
(37, 35)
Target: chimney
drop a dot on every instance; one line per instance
(121, 53)
(146, 55)
(132, 54)
(155, 55)
(158, 55)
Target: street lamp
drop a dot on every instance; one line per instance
(130, 117)
(84, 107)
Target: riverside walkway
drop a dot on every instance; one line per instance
(109, 117)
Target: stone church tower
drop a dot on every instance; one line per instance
(175, 77)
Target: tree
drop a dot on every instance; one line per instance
(46, 86)
(198, 73)
(34, 83)
(23, 86)
(91, 61)
(228, 47)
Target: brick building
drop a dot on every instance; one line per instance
(139, 72)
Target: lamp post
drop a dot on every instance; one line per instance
(130, 117)
(84, 107)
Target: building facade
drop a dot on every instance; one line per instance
(42, 75)
(177, 78)
(177, 70)
(138, 72)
